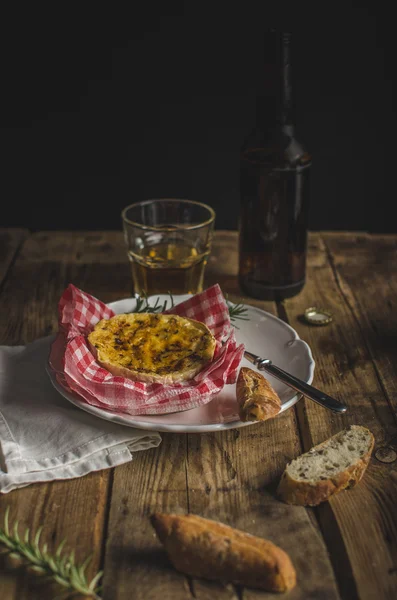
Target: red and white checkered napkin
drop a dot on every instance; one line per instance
(77, 369)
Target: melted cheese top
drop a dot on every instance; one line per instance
(152, 343)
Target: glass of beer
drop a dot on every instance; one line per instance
(168, 243)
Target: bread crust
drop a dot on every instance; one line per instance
(204, 548)
(302, 493)
(256, 398)
(102, 338)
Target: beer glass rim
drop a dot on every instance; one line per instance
(171, 227)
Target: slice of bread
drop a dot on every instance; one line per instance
(152, 348)
(256, 399)
(334, 465)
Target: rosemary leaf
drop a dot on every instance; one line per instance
(71, 558)
(16, 534)
(59, 549)
(61, 581)
(236, 311)
(31, 556)
(6, 525)
(61, 569)
(38, 570)
(143, 306)
(27, 532)
(15, 556)
(93, 584)
(37, 537)
(81, 570)
(6, 541)
(51, 561)
(63, 566)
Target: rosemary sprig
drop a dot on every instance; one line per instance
(236, 311)
(59, 567)
(143, 306)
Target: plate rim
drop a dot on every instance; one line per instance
(175, 428)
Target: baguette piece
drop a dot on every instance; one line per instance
(152, 348)
(334, 465)
(204, 548)
(256, 398)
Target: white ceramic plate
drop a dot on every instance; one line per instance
(264, 335)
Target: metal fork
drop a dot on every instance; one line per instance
(265, 364)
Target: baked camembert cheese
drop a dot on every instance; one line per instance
(152, 347)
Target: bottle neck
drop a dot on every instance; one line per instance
(287, 100)
(275, 101)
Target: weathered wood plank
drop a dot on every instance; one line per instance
(228, 476)
(135, 567)
(10, 242)
(75, 509)
(361, 524)
(232, 477)
(365, 272)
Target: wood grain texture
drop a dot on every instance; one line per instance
(365, 271)
(10, 242)
(75, 509)
(364, 517)
(230, 476)
(135, 567)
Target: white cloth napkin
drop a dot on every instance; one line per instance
(43, 436)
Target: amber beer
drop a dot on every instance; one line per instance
(165, 267)
(274, 187)
(168, 243)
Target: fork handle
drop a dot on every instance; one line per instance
(304, 388)
(265, 364)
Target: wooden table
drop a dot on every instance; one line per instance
(345, 548)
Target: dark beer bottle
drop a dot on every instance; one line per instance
(274, 186)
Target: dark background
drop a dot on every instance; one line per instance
(101, 108)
